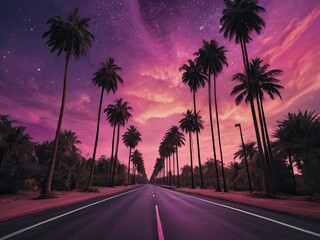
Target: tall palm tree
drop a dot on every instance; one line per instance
(212, 58)
(117, 114)
(176, 138)
(194, 78)
(107, 79)
(136, 158)
(166, 149)
(131, 139)
(189, 126)
(263, 81)
(240, 18)
(72, 37)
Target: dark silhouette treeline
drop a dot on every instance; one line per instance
(296, 161)
(24, 163)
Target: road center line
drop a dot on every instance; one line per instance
(256, 215)
(159, 226)
(65, 214)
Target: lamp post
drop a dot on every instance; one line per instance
(245, 155)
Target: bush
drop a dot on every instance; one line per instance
(31, 184)
(90, 189)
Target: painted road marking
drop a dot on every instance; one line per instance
(159, 226)
(62, 215)
(256, 215)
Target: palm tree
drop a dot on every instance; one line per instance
(194, 78)
(299, 135)
(70, 155)
(117, 114)
(189, 126)
(285, 144)
(211, 58)
(16, 145)
(250, 151)
(157, 170)
(136, 158)
(245, 151)
(107, 79)
(71, 37)
(176, 138)
(166, 149)
(263, 80)
(131, 139)
(240, 18)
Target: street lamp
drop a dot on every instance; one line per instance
(245, 155)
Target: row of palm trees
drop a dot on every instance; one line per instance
(240, 18)
(296, 144)
(71, 37)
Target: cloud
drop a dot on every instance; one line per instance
(291, 33)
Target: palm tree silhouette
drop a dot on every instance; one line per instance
(117, 114)
(107, 79)
(189, 126)
(263, 80)
(176, 138)
(136, 158)
(246, 152)
(71, 37)
(131, 139)
(212, 58)
(240, 18)
(298, 135)
(166, 149)
(194, 78)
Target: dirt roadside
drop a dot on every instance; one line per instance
(294, 205)
(23, 203)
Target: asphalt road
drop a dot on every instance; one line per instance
(152, 212)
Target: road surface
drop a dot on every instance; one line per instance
(151, 212)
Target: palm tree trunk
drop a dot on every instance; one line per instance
(170, 170)
(47, 193)
(68, 177)
(96, 141)
(197, 135)
(265, 176)
(177, 160)
(267, 134)
(129, 165)
(264, 141)
(173, 167)
(191, 162)
(218, 189)
(219, 138)
(292, 172)
(111, 159)
(164, 172)
(167, 171)
(266, 129)
(116, 156)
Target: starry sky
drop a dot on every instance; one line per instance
(150, 40)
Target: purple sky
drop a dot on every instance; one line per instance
(150, 40)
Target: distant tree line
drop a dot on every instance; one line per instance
(24, 163)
